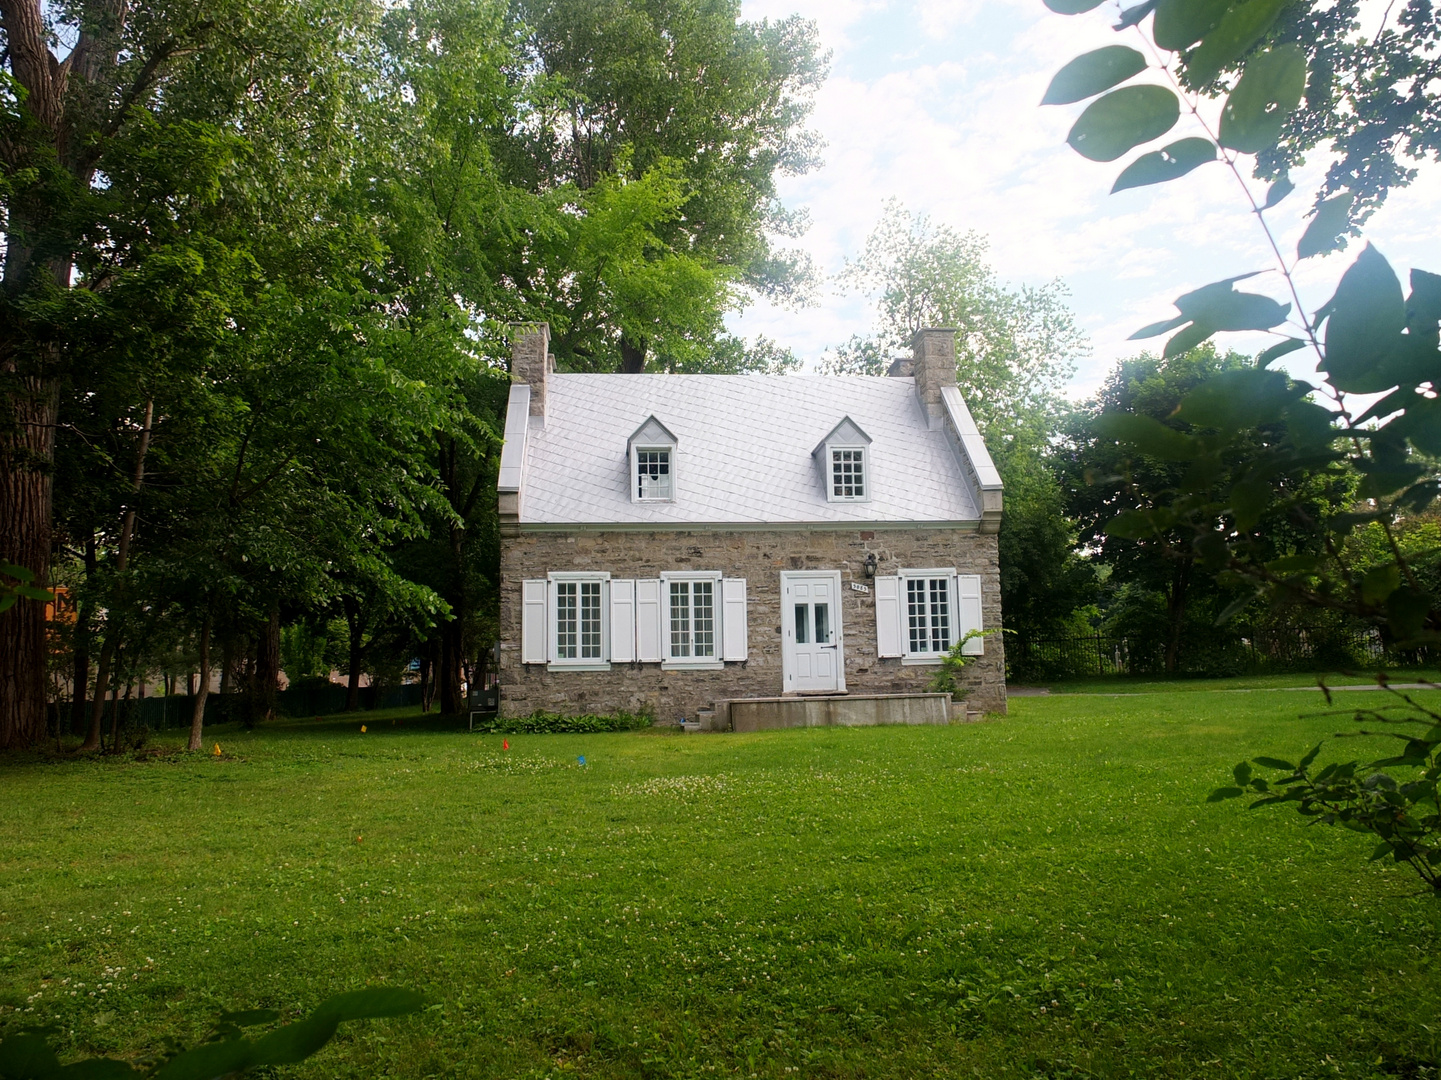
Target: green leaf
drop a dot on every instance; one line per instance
(1280, 349)
(1363, 329)
(1122, 120)
(1130, 525)
(1092, 73)
(1249, 501)
(27, 1057)
(19, 573)
(1240, 28)
(208, 1061)
(1158, 328)
(295, 1042)
(1181, 23)
(1133, 15)
(1327, 227)
(1406, 611)
(98, 1069)
(1269, 91)
(369, 1004)
(1222, 794)
(1274, 763)
(1379, 583)
(1187, 339)
(1278, 191)
(1237, 400)
(1222, 307)
(1148, 435)
(1168, 163)
(249, 1017)
(1382, 850)
(1421, 423)
(1287, 565)
(1311, 756)
(1072, 7)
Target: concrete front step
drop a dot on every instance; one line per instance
(841, 710)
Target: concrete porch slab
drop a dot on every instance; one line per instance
(847, 710)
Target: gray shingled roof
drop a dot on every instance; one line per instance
(743, 454)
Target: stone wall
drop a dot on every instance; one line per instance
(759, 557)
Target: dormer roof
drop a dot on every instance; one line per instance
(846, 433)
(652, 433)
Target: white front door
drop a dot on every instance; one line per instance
(811, 654)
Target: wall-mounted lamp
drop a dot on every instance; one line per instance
(870, 566)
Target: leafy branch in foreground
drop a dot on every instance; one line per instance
(225, 1053)
(1403, 814)
(24, 586)
(1251, 444)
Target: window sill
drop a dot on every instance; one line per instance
(692, 665)
(926, 660)
(556, 665)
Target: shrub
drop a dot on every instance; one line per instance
(548, 723)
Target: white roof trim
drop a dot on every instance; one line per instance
(517, 425)
(969, 436)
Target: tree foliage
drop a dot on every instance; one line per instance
(1249, 445)
(1015, 350)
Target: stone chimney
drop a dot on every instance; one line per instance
(933, 362)
(531, 361)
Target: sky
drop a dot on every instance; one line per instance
(935, 103)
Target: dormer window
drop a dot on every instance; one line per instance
(651, 454)
(844, 459)
(652, 468)
(848, 473)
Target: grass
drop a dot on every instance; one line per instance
(1045, 895)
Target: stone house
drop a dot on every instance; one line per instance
(673, 541)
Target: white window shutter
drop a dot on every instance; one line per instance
(889, 641)
(968, 606)
(622, 621)
(734, 633)
(647, 621)
(532, 622)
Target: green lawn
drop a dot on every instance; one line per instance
(1045, 895)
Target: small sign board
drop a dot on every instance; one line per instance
(856, 586)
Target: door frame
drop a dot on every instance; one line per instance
(838, 631)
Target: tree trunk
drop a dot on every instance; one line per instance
(632, 356)
(353, 622)
(266, 683)
(122, 561)
(452, 701)
(115, 716)
(1176, 612)
(83, 616)
(227, 666)
(425, 696)
(197, 713)
(26, 453)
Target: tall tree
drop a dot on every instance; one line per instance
(1015, 349)
(73, 121)
(698, 100)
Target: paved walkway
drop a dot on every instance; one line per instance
(1035, 691)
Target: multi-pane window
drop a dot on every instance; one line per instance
(692, 619)
(928, 614)
(848, 474)
(652, 474)
(577, 620)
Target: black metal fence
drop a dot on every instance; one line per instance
(1235, 652)
(308, 699)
